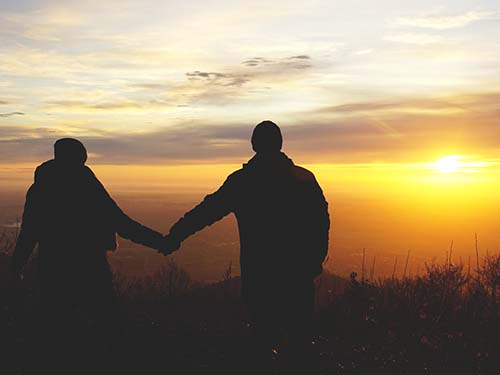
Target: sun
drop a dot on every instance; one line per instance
(448, 164)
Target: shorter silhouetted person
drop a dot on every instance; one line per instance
(74, 221)
(283, 224)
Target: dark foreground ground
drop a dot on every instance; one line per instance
(443, 322)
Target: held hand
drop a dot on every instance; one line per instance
(169, 245)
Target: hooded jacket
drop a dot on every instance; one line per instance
(71, 217)
(282, 216)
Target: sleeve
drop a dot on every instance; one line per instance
(320, 222)
(213, 208)
(28, 236)
(134, 231)
(124, 225)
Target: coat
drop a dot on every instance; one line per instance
(282, 216)
(74, 221)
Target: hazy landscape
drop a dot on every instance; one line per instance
(387, 224)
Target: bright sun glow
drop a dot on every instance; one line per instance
(448, 164)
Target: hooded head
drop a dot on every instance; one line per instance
(266, 138)
(70, 152)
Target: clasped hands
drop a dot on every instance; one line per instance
(167, 245)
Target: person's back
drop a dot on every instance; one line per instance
(74, 221)
(281, 211)
(283, 222)
(74, 226)
(73, 211)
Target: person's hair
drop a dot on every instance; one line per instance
(266, 137)
(70, 151)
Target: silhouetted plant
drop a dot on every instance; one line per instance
(489, 275)
(434, 323)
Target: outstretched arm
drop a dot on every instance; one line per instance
(124, 225)
(28, 236)
(134, 231)
(213, 208)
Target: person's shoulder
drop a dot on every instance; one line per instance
(237, 175)
(88, 171)
(43, 170)
(302, 174)
(46, 165)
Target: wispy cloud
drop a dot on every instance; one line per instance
(223, 79)
(391, 129)
(414, 38)
(156, 81)
(79, 105)
(292, 62)
(444, 105)
(300, 57)
(363, 52)
(232, 82)
(441, 22)
(10, 114)
(46, 24)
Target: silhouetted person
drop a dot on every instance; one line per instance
(73, 220)
(283, 224)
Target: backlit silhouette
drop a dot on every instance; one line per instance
(283, 223)
(74, 221)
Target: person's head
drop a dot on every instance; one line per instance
(266, 138)
(70, 152)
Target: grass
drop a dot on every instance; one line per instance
(443, 321)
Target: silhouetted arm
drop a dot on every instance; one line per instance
(124, 225)
(28, 236)
(213, 208)
(320, 222)
(134, 231)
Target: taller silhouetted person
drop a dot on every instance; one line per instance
(283, 224)
(74, 221)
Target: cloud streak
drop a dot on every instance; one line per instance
(10, 114)
(385, 130)
(414, 38)
(443, 22)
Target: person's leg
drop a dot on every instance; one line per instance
(96, 328)
(298, 352)
(266, 334)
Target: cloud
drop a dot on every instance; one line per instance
(291, 62)
(414, 38)
(231, 83)
(10, 114)
(223, 79)
(300, 57)
(115, 105)
(442, 22)
(256, 61)
(401, 105)
(151, 86)
(363, 52)
(389, 130)
(48, 24)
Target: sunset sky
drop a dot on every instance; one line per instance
(369, 94)
(162, 82)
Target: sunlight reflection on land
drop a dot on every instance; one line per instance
(386, 208)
